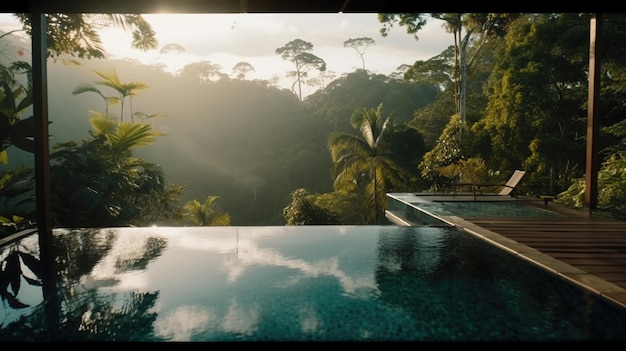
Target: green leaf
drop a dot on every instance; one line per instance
(17, 219)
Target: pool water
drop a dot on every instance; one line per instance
(467, 209)
(301, 283)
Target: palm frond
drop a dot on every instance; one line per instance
(110, 78)
(132, 86)
(118, 20)
(129, 135)
(368, 129)
(102, 125)
(386, 124)
(86, 88)
(112, 100)
(340, 144)
(147, 116)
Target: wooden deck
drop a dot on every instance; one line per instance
(587, 249)
(595, 246)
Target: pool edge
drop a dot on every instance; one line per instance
(575, 275)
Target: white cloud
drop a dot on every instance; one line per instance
(227, 39)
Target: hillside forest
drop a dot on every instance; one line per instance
(133, 144)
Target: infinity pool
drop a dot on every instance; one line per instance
(469, 209)
(429, 209)
(302, 283)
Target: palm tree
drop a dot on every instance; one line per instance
(366, 164)
(88, 88)
(124, 90)
(206, 214)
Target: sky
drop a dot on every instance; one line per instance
(226, 39)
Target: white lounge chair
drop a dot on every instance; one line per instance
(508, 189)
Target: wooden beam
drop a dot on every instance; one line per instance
(593, 121)
(40, 116)
(39, 45)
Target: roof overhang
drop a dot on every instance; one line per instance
(280, 6)
(206, 6)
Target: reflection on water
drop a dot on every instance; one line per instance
(330, 283)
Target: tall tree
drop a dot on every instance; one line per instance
(537, 95)
(365, 164)
(202, 72)
(208, 213)
(359, 45)
(173, 48)
(111, 80)
(241, 69)
(431, 120)
(469, 30)
(95, 183)
(299, 53)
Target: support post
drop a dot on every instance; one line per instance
(40, 118)
(593, 123)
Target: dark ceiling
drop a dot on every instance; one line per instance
(282, 6)
(205, 6)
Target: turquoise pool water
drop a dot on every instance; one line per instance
(307, 283)
(468, 209)
(429, 209)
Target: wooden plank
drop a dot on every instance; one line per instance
(616, 265)
(586, 254)
(594, 245)
(602, 269)
(573, 238)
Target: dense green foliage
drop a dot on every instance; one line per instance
(363, 89)
(207, 213)
(77, 34)
(612, 188)
(537, 91)
(273, 159)
(451, 148)
(303, 211)
(99, 183)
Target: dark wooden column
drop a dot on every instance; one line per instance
(39, 44)
(593, 120)
(40, 117)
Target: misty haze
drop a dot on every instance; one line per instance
(249, 142)
(314, 124)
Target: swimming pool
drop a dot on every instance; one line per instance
(469, 209)
(431, 209)
(303, 283)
